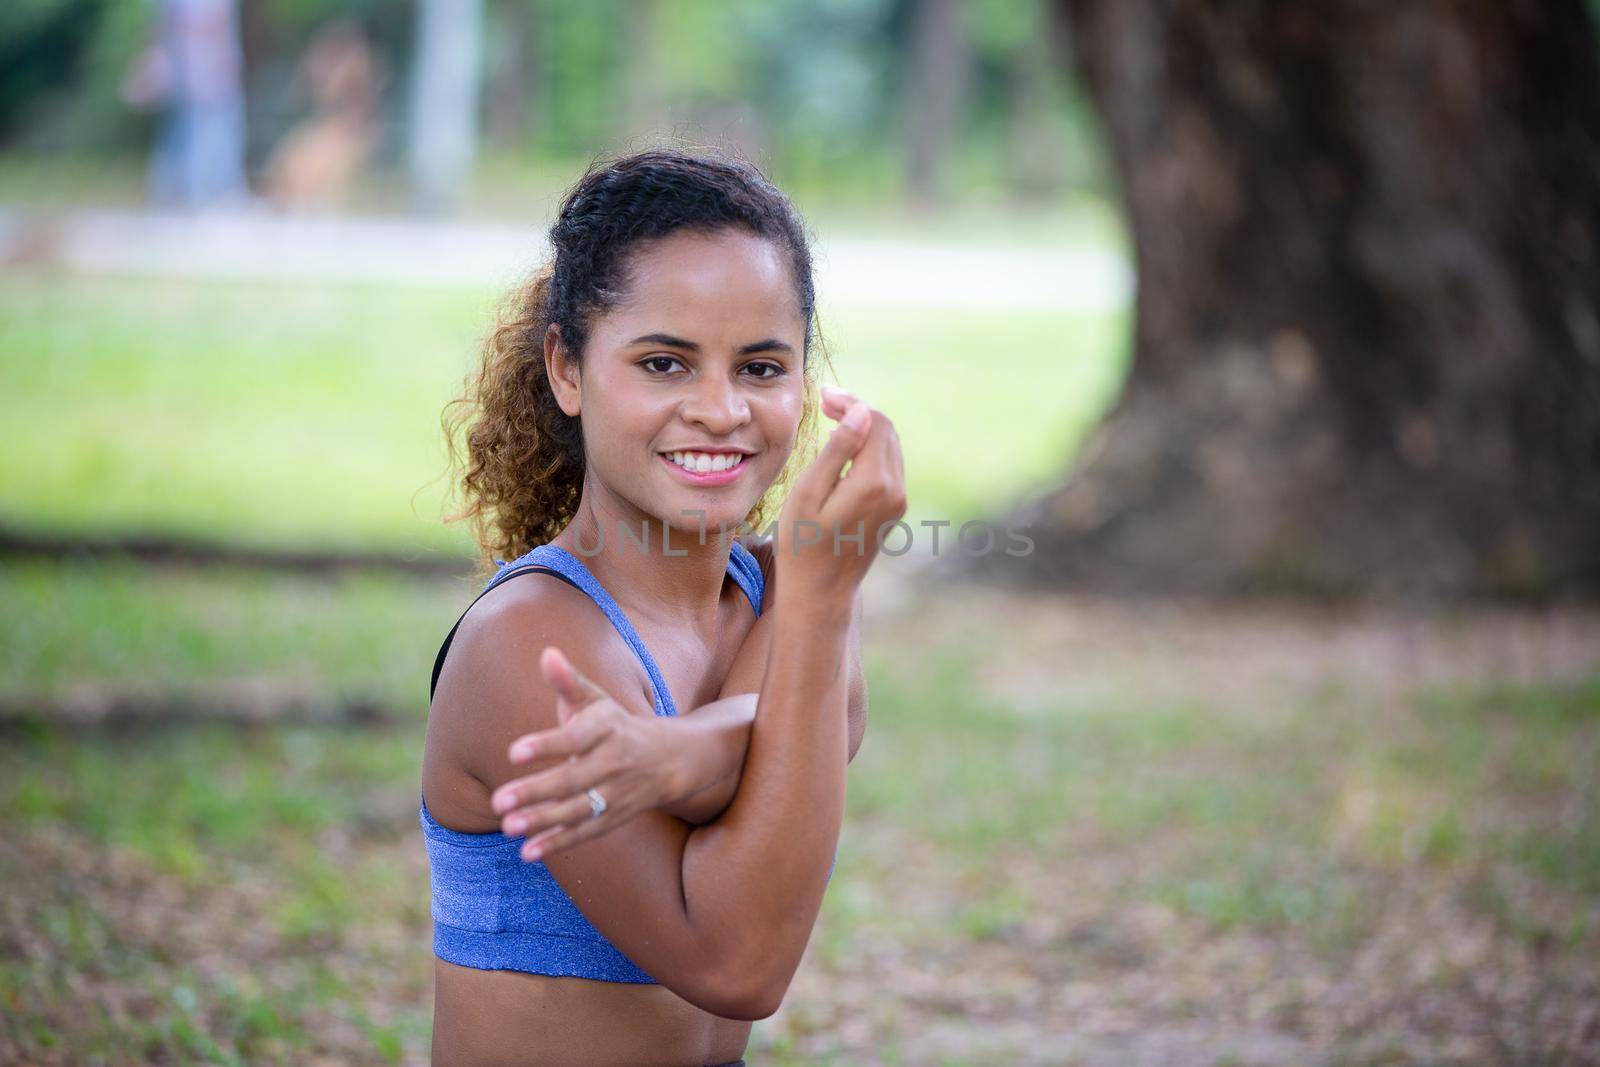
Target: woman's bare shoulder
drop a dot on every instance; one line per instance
(491, 690)
(507, 629)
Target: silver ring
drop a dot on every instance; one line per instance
(597, 803)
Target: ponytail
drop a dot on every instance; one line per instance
(523, 467)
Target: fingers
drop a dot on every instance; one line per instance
(875, 487)
(880, 455)
(568, 682)
(819, 479)
(560, 824)
(538, 818)
(573, 737)
(564, 779)
(578, 736)
(836, 401)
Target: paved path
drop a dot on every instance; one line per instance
(880, 272)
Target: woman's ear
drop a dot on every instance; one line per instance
(563, 372)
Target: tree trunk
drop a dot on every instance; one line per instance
(447, 70)
(1036, 141)
(938, 77)
(645, 114)
(509, 92)
(1367, 335)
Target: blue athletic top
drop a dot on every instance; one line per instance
(492, 909)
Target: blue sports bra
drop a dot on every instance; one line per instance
(492, 909)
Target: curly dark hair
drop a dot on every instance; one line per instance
(523, 469)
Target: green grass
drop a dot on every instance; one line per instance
(258, 414)
(295, 848)
(199, 800)
(249, 893)
(257, 987)
(1251, 815)
(297, 415)
(117, 625)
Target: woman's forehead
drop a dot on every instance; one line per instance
(727, 275)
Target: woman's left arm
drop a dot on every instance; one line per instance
(714, 737)
(689, 765)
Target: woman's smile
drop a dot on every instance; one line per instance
(706, 469)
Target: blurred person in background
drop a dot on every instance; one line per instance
(316, 161)
(648, 890)
(193, 73)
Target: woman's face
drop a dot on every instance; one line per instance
(701, 364)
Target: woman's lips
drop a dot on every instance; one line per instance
(709, 478)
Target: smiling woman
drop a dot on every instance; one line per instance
(628, 884)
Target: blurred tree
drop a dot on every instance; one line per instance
(645, 105)
(447, 68)
(938, 76)
(511, 73)
(827, 94)
(1022, 95)
(577, 89)
(829, 106)
(1367, 337)
(42, 46)
(61, 62)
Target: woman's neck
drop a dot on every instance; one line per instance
(675, 576)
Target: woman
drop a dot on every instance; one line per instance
(615, 882)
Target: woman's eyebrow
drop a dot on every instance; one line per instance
(771, 344)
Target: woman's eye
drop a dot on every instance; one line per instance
(657, 368)
(770, 370)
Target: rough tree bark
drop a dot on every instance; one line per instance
(1367, 335)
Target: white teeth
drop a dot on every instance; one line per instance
(705, 462)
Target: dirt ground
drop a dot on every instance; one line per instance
(1431, 950)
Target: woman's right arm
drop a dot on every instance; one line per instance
(720, 914)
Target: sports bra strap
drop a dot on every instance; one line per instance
(553, 559)
(505, 572)
(572, 568)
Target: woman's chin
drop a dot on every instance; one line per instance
(693, 521)
(690, 516)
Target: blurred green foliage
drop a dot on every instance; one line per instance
(61, 65)
(812, 88)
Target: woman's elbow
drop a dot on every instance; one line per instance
(749, 1005)
(746, 995)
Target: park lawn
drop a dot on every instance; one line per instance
(111, 627)
(308, 416)
(251, 414)
(1239, 852)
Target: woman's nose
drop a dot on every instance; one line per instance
(718, 406)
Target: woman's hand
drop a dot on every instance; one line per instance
(829, 531)
(631, 759)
